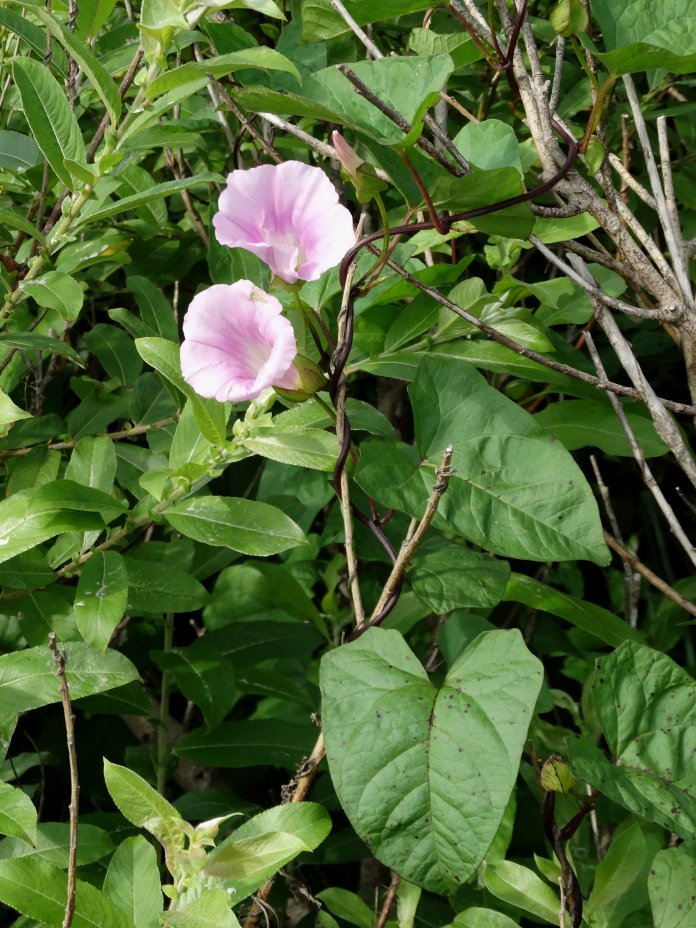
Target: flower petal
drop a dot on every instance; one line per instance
(288, 215)
(236, 342)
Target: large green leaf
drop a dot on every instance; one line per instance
(400, 749)
(143, 806)
(672, 887)
(448, 576)
(39, 891)
(101, 598)
(583, 423)
(641, 35)
(409, 85)
(17, 813)
(321, 21)
(514, 490)
(646, 705)
(25, 524)
(251, 743)
(264, 844)
(259, 57)
(133, 884)
(593, 619)
(28, 678)
(49, 116)
(240, 524)
(620, 878)
(94, 71)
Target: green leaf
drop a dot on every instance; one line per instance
(133, 884)
(94, 71)
(260, 57)
(591, 618)
(240, 524)
(489, 144)
(483, 188)
(11, 218)
(52, 845)
(410, 85)
(10, 412)
(521, 887)
(646, 705)
(101, 597)
(93, 463)
(621, 875)
(313, 448)
(458, 45)
(91, 16)
(672, 887)
(49, 116)
(33, 341)
(640, 35)
(156, 192)
(34, 37)
(347, 906)
(204, 677)
(161, 588)
(449, 576)
(23, 524)
(18, 152)
(399, 749)
(249, 744)
(143, 806)
(163, 355)
(39, 891)
(115, 352)
(68, 494)
(320, 21)
(482, 918)
(155, 309)
(266, 843)
(56, 291)
(203, 908)
(513, 491)
(28, 678)
(17, 813)
(583, 423)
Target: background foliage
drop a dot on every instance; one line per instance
(513, 743)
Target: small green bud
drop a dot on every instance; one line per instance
(595, 154)
(311, 379)
(569, 17)
(556, 776)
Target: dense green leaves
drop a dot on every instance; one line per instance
(399, 749)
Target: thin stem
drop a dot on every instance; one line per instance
(649, 575)
(60, 661)
(114, 436)
(414, 537)
(388, 903)
(165, 689)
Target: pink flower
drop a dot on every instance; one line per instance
(288, 215)
(237, 343)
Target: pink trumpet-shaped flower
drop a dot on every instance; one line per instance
(237, 343)
(288, 215)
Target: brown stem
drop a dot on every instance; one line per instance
(388, 903)
(60, 661)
